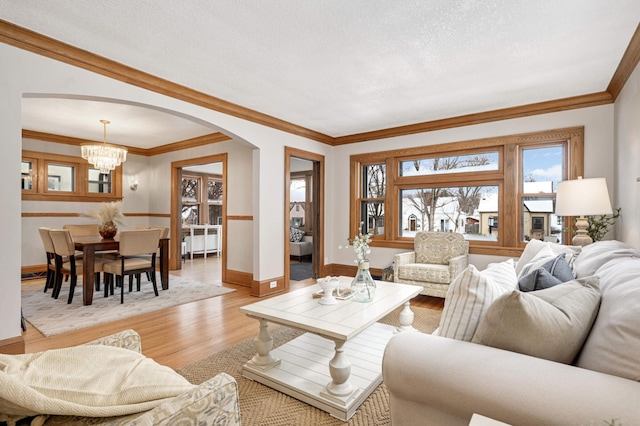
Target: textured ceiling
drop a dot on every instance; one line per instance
(343, 67)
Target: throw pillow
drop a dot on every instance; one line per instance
(542, 257)
(553, 272)
(595, 255)
(295, 234)
(551, 324)
(534, 246)
(470, 294)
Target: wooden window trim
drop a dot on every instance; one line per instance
(41, 161)
(507, 177)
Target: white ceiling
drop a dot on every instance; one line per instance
(334, 66)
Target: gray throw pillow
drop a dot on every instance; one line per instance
(551, 273)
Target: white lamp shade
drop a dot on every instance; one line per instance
(583, 197)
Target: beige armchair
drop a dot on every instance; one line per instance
(438, 258)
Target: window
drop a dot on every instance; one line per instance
(52, 177)
(498, 192)
(201, 203)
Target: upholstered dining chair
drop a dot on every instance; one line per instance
(164, 233)
(50, 252)
(438, 258)
(82, 229)
(65, 259)
(138, 250)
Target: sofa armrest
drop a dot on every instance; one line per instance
(403, 259)
(446, 381)
(214, 402)
(127, 339)
(457, 265)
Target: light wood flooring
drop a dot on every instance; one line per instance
(180, 335)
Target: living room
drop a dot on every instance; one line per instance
(610, 151)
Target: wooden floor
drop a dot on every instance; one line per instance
(180, 335)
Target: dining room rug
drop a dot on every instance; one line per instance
(261, 405)
(55, 316)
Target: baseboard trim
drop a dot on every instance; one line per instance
(264, 288)
(245, 279)
(12, 346)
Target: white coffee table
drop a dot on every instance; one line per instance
(338, 363)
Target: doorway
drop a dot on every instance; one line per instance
(198, 209)
(304, 214)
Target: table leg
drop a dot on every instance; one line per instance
(263, 344)
(340, 370)
(164, 263)
(88, 271)
(406, 319)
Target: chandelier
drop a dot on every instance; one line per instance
(104, 156)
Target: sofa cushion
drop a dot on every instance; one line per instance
(552, 272)
(614, 342)
(552, 323)
(470, 294)
(534, 246)
(428, 273)
(595, 255)
(295, 234)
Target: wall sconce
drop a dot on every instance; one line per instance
(134, 186)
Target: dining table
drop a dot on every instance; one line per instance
(89, 245)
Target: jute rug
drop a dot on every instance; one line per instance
(51, 316)
(261, 405)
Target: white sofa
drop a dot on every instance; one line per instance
(443, 381)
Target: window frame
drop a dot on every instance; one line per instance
(40, 190)
(508, 178)
(203, 203)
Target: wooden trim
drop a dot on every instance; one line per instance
(31, 41)
(51, 214)
(33, 269)
(12, 346)
(176, 189)
(239, 217)
(148, 152)
(318, 222)
(244, 279)
(263, 288)
(188, 143)
(595, 99)
(627, 65)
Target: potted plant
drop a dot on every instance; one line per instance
(110, 215)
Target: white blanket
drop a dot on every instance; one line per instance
(91, 381)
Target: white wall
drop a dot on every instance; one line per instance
(30, 73)
(598, 123)
(627, 160)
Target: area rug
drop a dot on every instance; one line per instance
(51, 316)
(301, 271)
(261, 405)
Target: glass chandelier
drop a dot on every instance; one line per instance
(104, 156)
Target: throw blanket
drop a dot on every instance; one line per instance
(91, 381)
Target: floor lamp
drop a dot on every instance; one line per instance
(583, 197)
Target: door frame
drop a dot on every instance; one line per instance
(175, 230)
(317, 214)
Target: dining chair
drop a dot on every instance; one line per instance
(82, 230)
(133, 245)
(65, 260)
(164, 233)
(51, 257)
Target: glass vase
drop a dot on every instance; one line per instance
(363, 287)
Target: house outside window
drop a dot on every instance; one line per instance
(489, 190)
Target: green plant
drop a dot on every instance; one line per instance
(598, 227)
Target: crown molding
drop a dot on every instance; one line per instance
(37, 43)
(575, 102)
(163, 149)
(627, 65)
